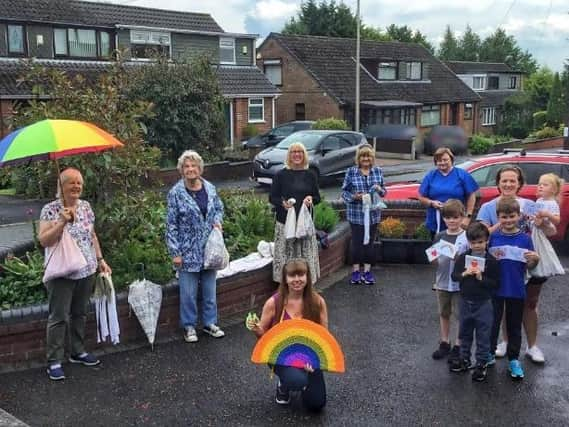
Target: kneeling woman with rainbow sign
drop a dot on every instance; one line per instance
(294, 340)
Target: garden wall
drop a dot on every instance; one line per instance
(538, 144)
(218, 171)
(22, 331)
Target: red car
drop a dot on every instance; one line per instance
(484, 170)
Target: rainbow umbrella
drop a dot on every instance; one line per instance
(53, 139)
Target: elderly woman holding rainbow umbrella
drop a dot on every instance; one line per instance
(66, 231)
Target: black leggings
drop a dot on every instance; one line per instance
(514, 317)
(363, 254)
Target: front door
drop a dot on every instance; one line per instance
(228, 122)
(453, 119)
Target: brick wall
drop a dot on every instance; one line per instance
(241, 117)
(298, 86)
(22, 331)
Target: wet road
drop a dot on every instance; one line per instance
(388, 333)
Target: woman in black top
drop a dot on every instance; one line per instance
(297, 182)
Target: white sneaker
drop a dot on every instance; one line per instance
(214, 330)
(501, 349)
(535, 354)
(190, 334)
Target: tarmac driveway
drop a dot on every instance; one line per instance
(388, 333)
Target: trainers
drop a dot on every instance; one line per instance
(516, 370)
(282, 397)
(535, 355)
(190, 334)
(442, 351)
(501, 349)
(85, 359)
(214, 330)
(460, 365)
(454, 353)
(491, 360)
(479, 373)
(356, 278)
(55, 372)
(368, 278)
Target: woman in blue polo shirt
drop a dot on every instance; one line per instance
(443, 183)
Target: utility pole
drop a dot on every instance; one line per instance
(357, 106)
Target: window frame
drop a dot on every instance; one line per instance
(225, 39)
(468, 111)
(514, 80)
(98, 50)
(495, 79)
(251, 105)
(387, 65)
(409, 70)
(24, 40)
(275, 63)
(482, 82)
(150, 42)
(430, 109)
(488, 116)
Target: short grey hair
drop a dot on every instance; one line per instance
(192, 156)
(64, 177)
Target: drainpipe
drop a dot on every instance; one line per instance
(357, 106)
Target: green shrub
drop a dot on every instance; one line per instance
(539, 119)
(480, 144)
(21, 281)
(422, 232)
(325, 217)
(392, 228)
(331, 124)
(5, 178)
(546, 132)
(249, 131)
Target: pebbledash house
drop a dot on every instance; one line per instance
(400, 83)
(81, 37)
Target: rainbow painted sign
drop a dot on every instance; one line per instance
(297, 342)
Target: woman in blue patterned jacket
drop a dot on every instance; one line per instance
(360, 182)
(194, 209)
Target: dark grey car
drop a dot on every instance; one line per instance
(277, 134)
(330, 153)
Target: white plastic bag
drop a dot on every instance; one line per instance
(216, 255)
(304, 223)
(548, 264)
(290, 224)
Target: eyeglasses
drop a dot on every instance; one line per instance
(297, 152)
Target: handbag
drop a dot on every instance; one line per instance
(63, 259)
(304, 224)
(548, 264)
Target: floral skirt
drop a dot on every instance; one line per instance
(294, 248)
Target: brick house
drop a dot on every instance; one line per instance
(494, 82)
(399, 82)
(81, 37)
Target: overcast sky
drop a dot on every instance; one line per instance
(540, 26)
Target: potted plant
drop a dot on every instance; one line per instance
(396, 244)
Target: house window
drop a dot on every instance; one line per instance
(16, 39)
(149, 44)
(273, 71)
(489, 116)
(60, 41)
(478, 82)
(387, 71)
(256, 110)
(493, 82)
(104, 44)
(413, 71)
(467, 111)
(300, 111)
(513, 82)
(431, 115)
(226, 50)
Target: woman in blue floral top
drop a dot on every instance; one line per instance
(68, 297)
(360, 182)
(194, 209)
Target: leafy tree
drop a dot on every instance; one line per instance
(565, 90)
(187, 106)
(404, 33)
(371, 33)
(557, 105)
(448, 50)
(469, 46)
(538, 86)
(324, 19)
(499, 47)
(103, 103)
(517, 116)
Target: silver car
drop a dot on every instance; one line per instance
(330, 153)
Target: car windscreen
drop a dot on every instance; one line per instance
(308, 139)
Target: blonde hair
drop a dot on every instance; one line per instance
(64, 176)
(192, 156)
(364, 149)
(297, 146)
(440, 152)
(554, 180)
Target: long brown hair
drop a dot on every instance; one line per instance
(310, 300)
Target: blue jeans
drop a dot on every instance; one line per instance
(476, 317)
(189, 282)
(311, 385)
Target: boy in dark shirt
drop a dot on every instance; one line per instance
(477, 285)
